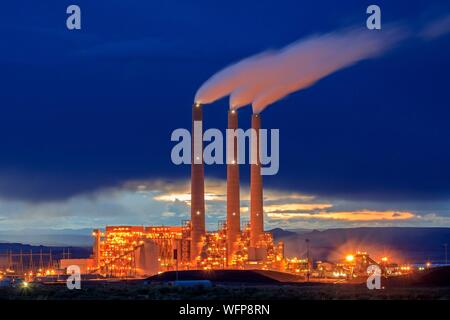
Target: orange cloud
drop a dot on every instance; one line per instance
(296, 207)
(169, 191)
(362, 215)
(186, 197)
(280, 205)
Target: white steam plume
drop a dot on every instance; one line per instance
(267, 77)
(227, 80)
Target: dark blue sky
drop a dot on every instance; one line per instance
(90, 109)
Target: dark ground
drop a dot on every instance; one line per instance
(222, 292)
(258, 285)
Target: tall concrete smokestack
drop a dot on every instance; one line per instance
(256, 195)
(197, 183)
(233, 198)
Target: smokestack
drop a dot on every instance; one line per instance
(256, 194)
(233, 199)
(197, 183)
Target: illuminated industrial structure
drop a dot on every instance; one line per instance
(137, 251)
(129, 251)
(28, 265)
(134, 251)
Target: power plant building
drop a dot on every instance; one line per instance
(133, 251)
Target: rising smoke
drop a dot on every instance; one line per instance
(265, 78)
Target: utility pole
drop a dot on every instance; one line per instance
(21, 262)
(50, 260)
(41, 261)
(30, 262)
(10, 260)
(445, 248)
(308, 259)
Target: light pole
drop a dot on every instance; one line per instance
(307, 258)
(445, 249)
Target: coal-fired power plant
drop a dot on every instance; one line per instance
(139, 251)
(260, 80)
(135, 251)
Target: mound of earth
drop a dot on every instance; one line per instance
(435, 277)
(439, 276)
(230, 276)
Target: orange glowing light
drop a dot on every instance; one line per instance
(349, 258)
(363, 215)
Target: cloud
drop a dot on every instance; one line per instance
(290, 207)
(353, 216)
(167, 202)
(436, 28)
(171, 190)
(296, 207)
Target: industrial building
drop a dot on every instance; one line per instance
(138, 251)
(134, 251)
